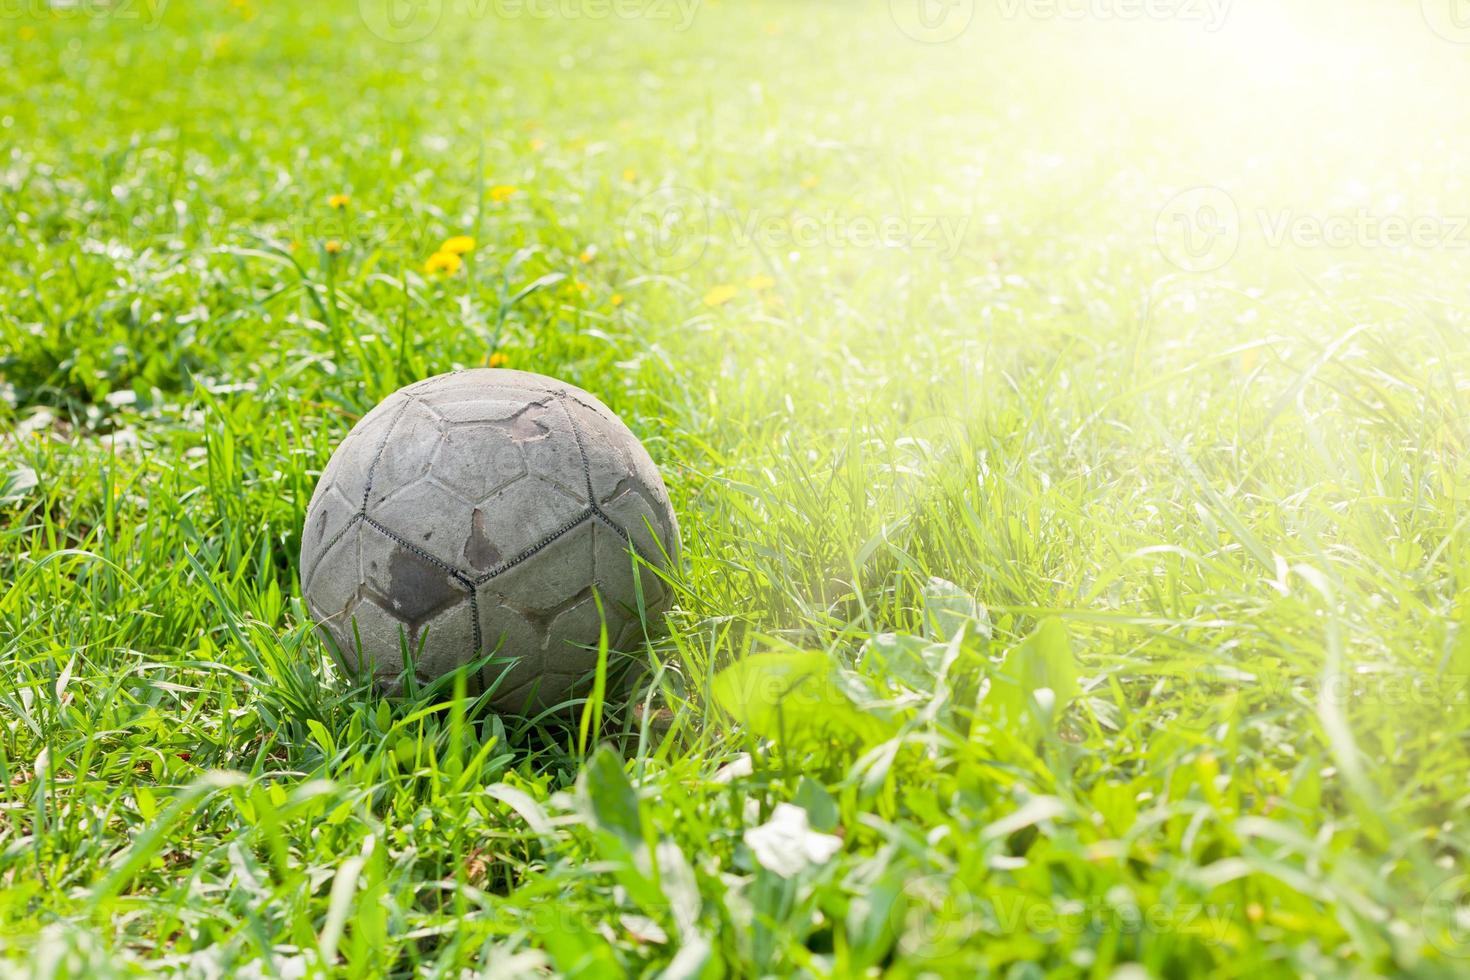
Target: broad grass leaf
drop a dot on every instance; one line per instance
(794, 698)
(696, 960)
(608, 798)
(873, 768)
(537, 284)
(579, 952)
(609, 804)
(339, 907)
(680, 887)
(911, 660)
(873, 915)
(16, 484)
(1034, 811)
(660, 880)
(524, 805)
(949, 609)
(1036, 682)
(322, 737)
(820, 805)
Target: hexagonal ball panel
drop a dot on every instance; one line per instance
(517, 518)
(330, 515)
(482, 511)
(349, 466)
(625, 483)
(476, 460)
(409, 583)
(405, 455)
(439, 518)
(333, 576)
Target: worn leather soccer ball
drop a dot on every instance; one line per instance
(486, 512)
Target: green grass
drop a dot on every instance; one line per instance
(1217, 519)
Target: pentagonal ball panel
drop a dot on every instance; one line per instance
(331, 514)
(408, 582)
(625, 484)
(516, 518)
(350, 467)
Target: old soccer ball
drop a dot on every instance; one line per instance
(482, 517)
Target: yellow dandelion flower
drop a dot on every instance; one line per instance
(809, 181)
(759, 283)
(458, 245)
(501, 193)
(720, 295)
(588, 254)
(617, 299)
(443, 263)
(498, 360)
(630, 175)
(27, 33)
(334, 247)
(537, 144)
(339, 201)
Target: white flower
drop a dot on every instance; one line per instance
(787, 845)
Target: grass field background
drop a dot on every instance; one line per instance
(1067, 418)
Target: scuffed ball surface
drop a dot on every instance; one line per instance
(479, 511)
